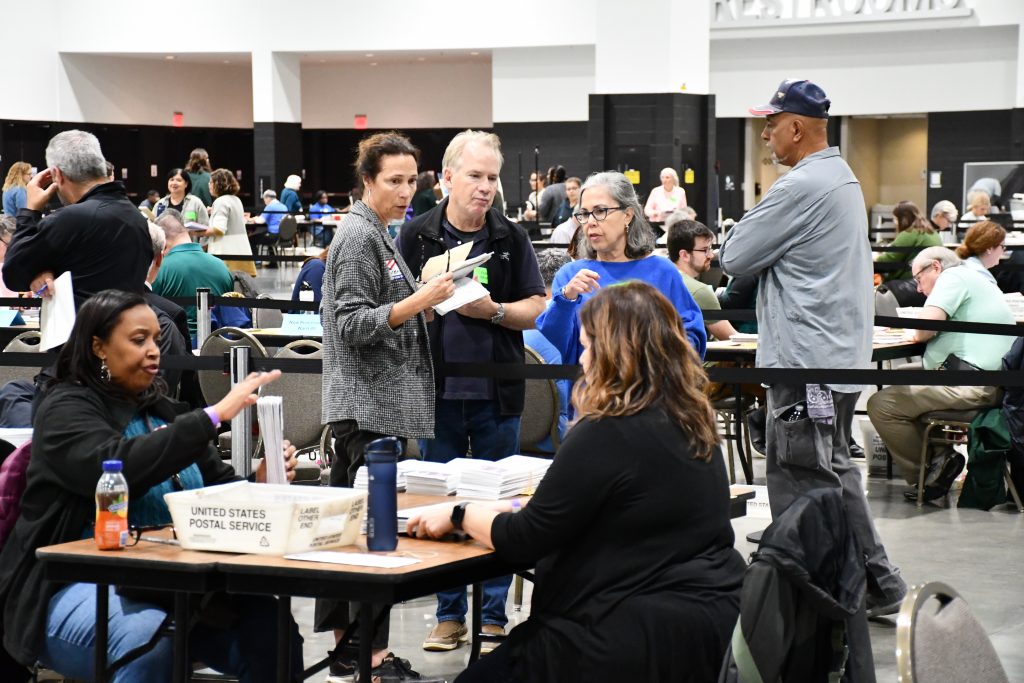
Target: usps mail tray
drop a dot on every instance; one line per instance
(266, 519)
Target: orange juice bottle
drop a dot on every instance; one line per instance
(111, 530)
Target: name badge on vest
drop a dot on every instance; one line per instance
(394, 271)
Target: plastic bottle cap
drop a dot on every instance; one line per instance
(112, 465)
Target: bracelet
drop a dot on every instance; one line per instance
(516, 505)
(567, 298)
(211, 413)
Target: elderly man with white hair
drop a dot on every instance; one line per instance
(99, 235)
(943, 218)
(959, 294)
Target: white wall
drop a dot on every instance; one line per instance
(397, 95)
(101, 89)
(554, 82)
(874, 73)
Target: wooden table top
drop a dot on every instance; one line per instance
(161, 556)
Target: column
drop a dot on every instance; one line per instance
(652, 109)
(277, 119)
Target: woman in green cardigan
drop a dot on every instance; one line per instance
(912, 230)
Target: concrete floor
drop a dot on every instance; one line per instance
(978, 553)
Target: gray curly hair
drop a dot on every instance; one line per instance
(639, 235)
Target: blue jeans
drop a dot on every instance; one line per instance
(459, 426)
(248, 651)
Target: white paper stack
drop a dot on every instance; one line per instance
(434, 479)
(511, 476)
(404, 467)
(270, 412)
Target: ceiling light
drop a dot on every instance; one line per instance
(169, 57)
(421, 59)
(474, 53)
(369, 54)
(373, 63)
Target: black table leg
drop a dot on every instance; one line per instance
(102, 615)
(182, 664)
(284, 638)
(746, 459)
(365, 641)
(870, 450)
(476, 627)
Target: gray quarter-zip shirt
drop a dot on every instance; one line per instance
(807, 241)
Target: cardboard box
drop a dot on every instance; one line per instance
(266, 519)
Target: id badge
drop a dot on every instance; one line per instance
(819, 404)
(481, 274)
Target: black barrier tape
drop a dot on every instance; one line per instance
(279, 304)
(571, 372)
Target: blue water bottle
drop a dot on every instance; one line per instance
(382, 514)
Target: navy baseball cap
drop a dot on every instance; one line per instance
(796, 97)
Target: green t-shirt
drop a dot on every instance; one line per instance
(187, 267)
(703, 295)
(907, 238)
(967, 296)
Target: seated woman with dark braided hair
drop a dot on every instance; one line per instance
(108, 403)
(637, 578)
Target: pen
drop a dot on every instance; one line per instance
(156, 539)
(42, 289)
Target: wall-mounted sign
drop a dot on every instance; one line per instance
(749, 13)
(360, 122)
(632, 175)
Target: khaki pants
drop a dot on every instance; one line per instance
(894, 411)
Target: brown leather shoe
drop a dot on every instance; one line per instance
(446, 636)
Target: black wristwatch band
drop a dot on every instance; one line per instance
(458, 513)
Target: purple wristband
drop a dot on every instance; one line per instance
(516, 505)
(211, 413)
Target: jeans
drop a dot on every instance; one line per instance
(461, 426)
(247, 651)
(806, 455)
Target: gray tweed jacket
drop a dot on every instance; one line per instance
(379, 377)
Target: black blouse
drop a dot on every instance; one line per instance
(637, 577)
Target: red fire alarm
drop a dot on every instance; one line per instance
(360, 122)
(178, 120)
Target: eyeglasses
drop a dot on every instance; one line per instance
(135, 534)
(917, 276)
(599, 214)
(706, 250)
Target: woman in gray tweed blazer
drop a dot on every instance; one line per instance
(378, 378)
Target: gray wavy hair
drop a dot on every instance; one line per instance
(639, 235)
(78, 156)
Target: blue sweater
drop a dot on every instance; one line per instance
(560, 321)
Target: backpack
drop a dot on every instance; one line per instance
(12, 486)
(245, 284)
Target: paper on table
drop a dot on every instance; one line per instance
(466, 290)
(58, 314)
(442, 263)
(270, 412)
(356, 559)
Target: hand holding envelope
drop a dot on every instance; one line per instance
(455, 261)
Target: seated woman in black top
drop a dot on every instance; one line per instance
(107, 403)
(637, 578)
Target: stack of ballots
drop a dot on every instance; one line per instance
(511, 476)
(433, 479)
(404, 467)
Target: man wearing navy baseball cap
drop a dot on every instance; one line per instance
(807, 241)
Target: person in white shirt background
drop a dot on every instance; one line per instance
(665, 198)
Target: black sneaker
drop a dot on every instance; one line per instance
(344, 669)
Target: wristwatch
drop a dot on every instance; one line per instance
(458, 513)
(499, 316)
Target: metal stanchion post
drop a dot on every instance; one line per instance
(241, 424)
(202, 315)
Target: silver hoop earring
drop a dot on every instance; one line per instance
(104, 371)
